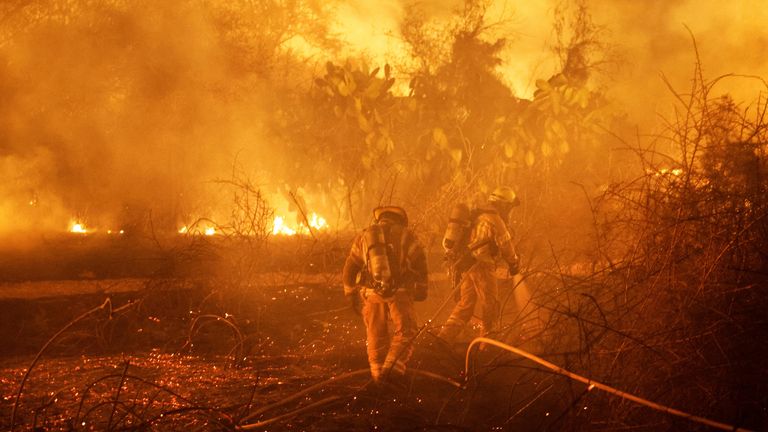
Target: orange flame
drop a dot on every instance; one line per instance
(280, 227)
(195, 230)
(78, 228)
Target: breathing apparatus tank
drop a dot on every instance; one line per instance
(457, 232)
(377, 259)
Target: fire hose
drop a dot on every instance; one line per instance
(594, 384)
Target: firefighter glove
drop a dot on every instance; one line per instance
(420, 291)
(355, 302)
(514, 267)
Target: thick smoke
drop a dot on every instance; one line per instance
(125, 109)
(653, 37)
(115, 113)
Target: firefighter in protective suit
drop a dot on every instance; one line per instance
(476, 243)
(386, 270)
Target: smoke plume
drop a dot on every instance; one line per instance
(113, 112)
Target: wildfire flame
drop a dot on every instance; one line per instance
(665, 171)
(280, 227)
(317, 222)
(78, 228)
(209, 231)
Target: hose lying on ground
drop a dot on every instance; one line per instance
(592, 384)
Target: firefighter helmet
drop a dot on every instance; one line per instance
(504, 195)
(398, 212)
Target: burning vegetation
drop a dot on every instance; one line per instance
(182, 182)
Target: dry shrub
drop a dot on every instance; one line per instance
(672, 308)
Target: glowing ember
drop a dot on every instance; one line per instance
(183, 230)
(210, 231)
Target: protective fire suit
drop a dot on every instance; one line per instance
(489, 242)
(387, 355)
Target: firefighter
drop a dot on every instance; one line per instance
(385, 272)
(476, 243)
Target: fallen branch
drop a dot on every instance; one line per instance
(106, 305)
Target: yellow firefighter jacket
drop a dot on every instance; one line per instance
(490, 239)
